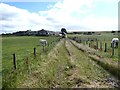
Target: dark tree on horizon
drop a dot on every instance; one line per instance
(63, 30)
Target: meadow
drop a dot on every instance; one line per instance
(23, 47)
(60, 64)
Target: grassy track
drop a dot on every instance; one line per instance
(67, 67)
(64, 66)
(89, 73)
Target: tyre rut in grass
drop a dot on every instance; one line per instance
(91, 73)
(66, 66)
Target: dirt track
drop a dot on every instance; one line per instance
(68, 67)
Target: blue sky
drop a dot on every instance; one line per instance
(74, 15)
(32, 6)
(104, 9)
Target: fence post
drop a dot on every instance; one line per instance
(112, 49)
(14, 61)
(34, 52)
(105, 47)
(100, 45)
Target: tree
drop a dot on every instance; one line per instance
(113, 31)
(63, 31)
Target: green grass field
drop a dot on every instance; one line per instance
(60, 65)
(23, 48)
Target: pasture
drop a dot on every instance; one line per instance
(63, 63)
(23, 48)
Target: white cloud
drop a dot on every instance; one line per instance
(15, 19)
(71, 14)
(77, 15)
(101, 23)
(107, 1)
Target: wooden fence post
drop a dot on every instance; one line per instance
(14, 61)
(100, 45)
(112, 49)
(105, 47)
(34, 52)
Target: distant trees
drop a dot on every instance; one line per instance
(113, 32)
(63, 32)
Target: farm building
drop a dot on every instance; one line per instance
(43, 33)
(29, 32)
